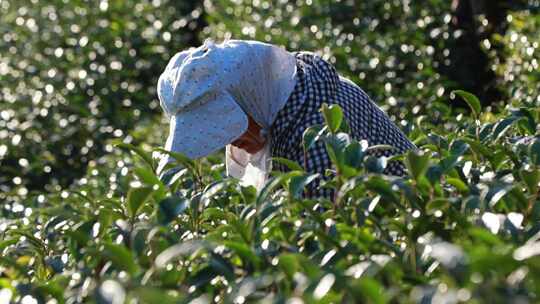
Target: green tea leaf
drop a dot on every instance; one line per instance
(170, 208)
(483, 235)
(497, 192)
(417, 163)
(289, 163)
(333, 116)
(288, 264)
(297, 184)
(471, 100)
(138, 151)
(186, 248)
(149, 294)
(502, 127)
(121, 257)
(459, 184)
(437, 204)
(382, 187)
(311, 135)
(375, 164)
(181, 159)
(368, 290)
(335, 146)
(148, 178)
(534, 151)
(354, 153)
(38, 244)
(136, 198)
(531, 179)
(245, 253)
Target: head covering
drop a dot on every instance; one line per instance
(207, 92)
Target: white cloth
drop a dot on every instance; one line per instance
(267, 79)
(196, 84)
(251, 169)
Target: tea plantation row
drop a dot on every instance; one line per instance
(464, 226)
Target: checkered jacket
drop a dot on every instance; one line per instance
(318, 83)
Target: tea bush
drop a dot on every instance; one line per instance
(520, 71)
(462, 227)
(76, 73)
(392, 49)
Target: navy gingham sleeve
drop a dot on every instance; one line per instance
(318, 83)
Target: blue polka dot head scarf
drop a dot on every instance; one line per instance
(207, 93)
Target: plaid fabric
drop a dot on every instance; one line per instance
(318, 83)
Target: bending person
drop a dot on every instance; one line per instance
(256, 100)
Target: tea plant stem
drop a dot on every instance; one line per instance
(412, 252)
(530, 207)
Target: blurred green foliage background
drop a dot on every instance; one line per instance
(75, 74)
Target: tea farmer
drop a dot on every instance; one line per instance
(256, 100)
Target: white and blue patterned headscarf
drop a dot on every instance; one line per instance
(208, 91)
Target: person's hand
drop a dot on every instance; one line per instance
(251, 141)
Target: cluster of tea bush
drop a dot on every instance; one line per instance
(464, 226)
(408, 55)
(520, 71)
(394, 49)
(76, 73)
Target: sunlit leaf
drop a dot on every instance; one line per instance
(459, 184)
(244, 252)
(297, 184)
(312, 135)
(147, 177)
(110, 291)
(145, 156)
(497, 192)
(136, 198)
(333, 116)
(437, 204)
(289, 163)
(531, 179)
(492, 221)
(179, 250)
(121, 257)
(450, 255)
(368, 290)
(417, 163)
(530, 249)
(148, 294)
(471, 100)
(502, 127)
